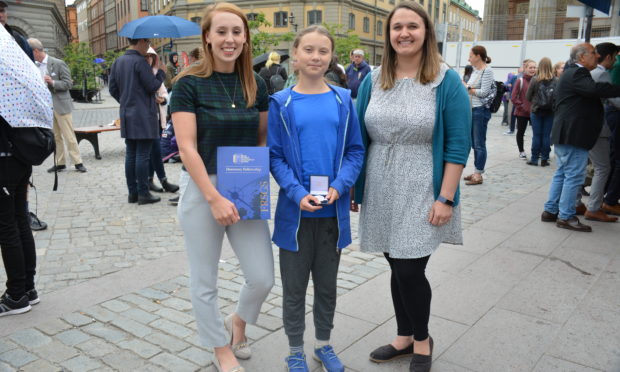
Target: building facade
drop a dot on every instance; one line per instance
(546, 19)
(127, 11)
(41, 19)
(462, 18)
(82, 20)
(71, 17)
(96, 27)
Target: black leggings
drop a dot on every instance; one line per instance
(411, 295)
(521, 127)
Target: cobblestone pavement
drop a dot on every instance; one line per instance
(114, 284)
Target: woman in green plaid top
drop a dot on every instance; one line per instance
(220, 101)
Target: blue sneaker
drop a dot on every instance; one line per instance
(328, 359)
(296, 363)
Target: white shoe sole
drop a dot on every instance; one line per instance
(16, 311)
(34, 302)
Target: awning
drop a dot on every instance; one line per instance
(600, 5)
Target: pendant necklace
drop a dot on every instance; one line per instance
(226, 91)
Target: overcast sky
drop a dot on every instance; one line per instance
(476, 4)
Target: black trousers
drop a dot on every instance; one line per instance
(411, 295)
(521, 127)
(613, 184)
(16, 241)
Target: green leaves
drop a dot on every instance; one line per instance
(263, 42)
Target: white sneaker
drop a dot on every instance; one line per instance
(522, 156)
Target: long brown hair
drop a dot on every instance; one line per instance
(430, 64)
(545, 70)
(243, 64)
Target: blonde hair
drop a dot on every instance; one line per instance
(274, 57)
(545, 70)
(556, 67)
(243, 64)
(431, 60)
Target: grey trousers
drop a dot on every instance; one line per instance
(318, 254)
(600, 158)
(203, 241)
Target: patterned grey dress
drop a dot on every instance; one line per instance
(399, 176)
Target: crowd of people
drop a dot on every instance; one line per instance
(394, 139)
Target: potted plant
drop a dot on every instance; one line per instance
(84, 71)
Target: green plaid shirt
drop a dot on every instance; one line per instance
(219, 124)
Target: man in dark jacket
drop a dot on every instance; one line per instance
(576, 127)
(133, 85)
(356, 72)
(21, 41)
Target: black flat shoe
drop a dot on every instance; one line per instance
(544, 163)
(169, 187)
(132, 198)
(57, 168)
(80, 168)
(388, 352)
(535, 163)
(147, 199)
(153, 187)
(422, 363)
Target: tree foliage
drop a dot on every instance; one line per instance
(81, 62)
(345, 40)
(263, 42)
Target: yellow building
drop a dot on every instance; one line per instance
(460, 14)
(366, 19)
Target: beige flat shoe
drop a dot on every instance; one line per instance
(242, 349)
(217, 365)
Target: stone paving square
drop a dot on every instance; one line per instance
(519, 295)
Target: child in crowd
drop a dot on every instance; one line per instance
(306, 142)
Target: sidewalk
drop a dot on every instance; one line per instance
(519, 295)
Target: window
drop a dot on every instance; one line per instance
(436, 10)
(252, 16)
(444, 13)
(351, 21)
(144, 5)
(280, 19)
(315, 17)
(366, 24)
(379, 28)
(430, 8)
(196, 19)
(422, 2)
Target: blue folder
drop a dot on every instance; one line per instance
(243, 178)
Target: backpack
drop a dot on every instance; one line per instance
(276, 82)
(496, 102)
(545, 95)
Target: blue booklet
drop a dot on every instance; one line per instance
(243, 178)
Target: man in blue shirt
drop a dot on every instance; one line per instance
(356, 72)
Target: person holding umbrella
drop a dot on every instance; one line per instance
(221, 101)
(133, 85)
(25, 104)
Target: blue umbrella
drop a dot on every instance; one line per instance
(600, 5)
(99, 60)
(159, 26)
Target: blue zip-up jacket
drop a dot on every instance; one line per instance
(285, 159)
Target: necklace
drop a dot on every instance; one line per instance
(226, 91)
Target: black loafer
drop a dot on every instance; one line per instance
(388, 352)
(57, 168)
(422, 363)
(132, 198)
(548, 217)
(80, 168)
(147, 199)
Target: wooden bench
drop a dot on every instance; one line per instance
(91, 134)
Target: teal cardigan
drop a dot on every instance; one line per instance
(451, 135)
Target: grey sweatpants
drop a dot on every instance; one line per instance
(599, 156)
(317, 254)
(203, 241)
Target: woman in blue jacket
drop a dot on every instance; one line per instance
(307, 142)
(416, 123)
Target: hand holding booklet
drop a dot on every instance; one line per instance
(243, 178)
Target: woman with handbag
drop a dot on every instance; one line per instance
(480, 89)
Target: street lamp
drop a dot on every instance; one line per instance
(291, 20)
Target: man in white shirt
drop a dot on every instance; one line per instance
(57, 76)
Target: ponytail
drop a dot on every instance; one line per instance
(481, 51)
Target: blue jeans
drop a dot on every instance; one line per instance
(480, 119)
(541, 139)
(156, 165)
(137, 157)
(567, 180)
